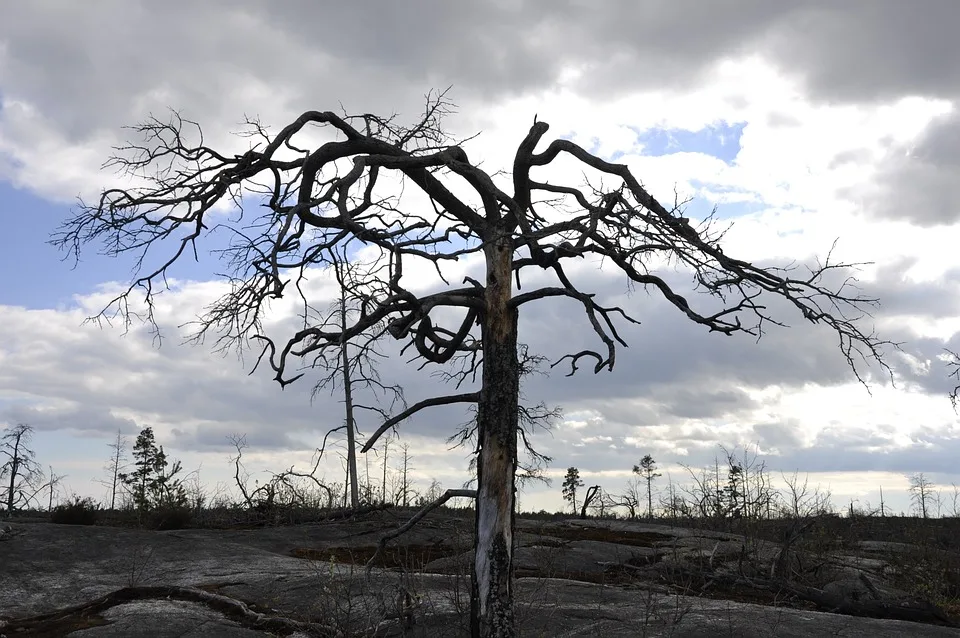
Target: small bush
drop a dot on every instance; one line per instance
(82, 511)
(170, 517)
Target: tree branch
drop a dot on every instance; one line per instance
(406, 527)
(469, 397)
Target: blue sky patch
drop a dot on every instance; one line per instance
(720, 140)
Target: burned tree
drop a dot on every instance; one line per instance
(314, 197)
(20, 469)
(647, 469)
(115, 466)
(352, 366)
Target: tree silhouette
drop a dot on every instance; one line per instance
(571, 482)
(922, 493)
(21, 471)
(647, 469)
(150, 483)
(313, 197)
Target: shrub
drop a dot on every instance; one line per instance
(82, 511)
(170, 517)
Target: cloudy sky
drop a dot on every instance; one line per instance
(802, 121)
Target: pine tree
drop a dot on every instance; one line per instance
(733, 493)
(150, 484)
(570, 484)
(648, 470)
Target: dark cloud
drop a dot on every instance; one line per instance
(779, 435)
(94, 67)
(919, 184)
(901, 296)
(921, 365)
(865, 50)
(690, 403)
(851, 449)
(87, 419)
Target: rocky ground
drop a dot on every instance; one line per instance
(574, 578)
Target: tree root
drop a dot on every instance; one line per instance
(229, 607)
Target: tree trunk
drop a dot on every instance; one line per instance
(116, 472)
(14, 469)
(383, 489)
(649, 498)
(497, 420)
(13, 478)
(588, 498)
(348, 403)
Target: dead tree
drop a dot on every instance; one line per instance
(922, 493)
(22, 472)
(115, 466)
(316, 197)
(55, 480)
(264, 497)
(352, 366)
(593, 492)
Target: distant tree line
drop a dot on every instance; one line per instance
(739, 486)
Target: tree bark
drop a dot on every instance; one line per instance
(497, 421)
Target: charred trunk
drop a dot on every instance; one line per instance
(497, 415)
(14, 469)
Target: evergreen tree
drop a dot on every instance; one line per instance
(648, 470)
(570, 484)
(150, 483)
(733, 493)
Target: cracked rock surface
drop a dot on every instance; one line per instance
(575, 578)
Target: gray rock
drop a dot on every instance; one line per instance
(49, 567)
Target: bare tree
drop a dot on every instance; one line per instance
(265, 496)
(315, 198)
(923, 493)
(755, 492)
(674, 503)
(594, 494)
(803, 500)
(386, 455)
(115, 466)
(799, 496)
(21, 471)
(703, 494)
(403, 492)
(353, 366)
(52, 484)
(630, 498)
